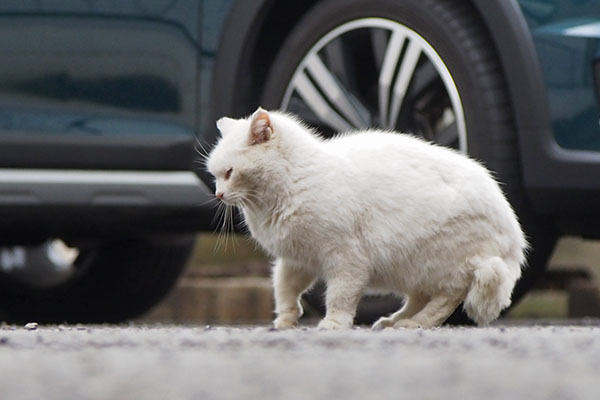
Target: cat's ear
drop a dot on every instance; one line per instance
(261, 130)
(224, 125)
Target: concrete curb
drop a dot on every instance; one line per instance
(232, 300)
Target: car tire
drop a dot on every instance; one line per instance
(456, 33)
(113, 281)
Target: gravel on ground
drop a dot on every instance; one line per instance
(186, 362)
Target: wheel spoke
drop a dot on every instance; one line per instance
(318, 104)
(335, 92)
(405, 73)
(392, 54)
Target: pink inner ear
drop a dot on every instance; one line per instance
(261, 130)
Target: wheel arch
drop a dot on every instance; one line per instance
(252, 36)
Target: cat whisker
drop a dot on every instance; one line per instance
(230, 232)
(234, 242)
(220, 238)
(226, 228)
(199, 143)
(202, 162)
(202, 151)
(243, 203)
(219, 242)
(243, 226)
(253, 197)
(217, 216)
(213, 201)
(226, 223)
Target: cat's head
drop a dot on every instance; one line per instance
(236, 161)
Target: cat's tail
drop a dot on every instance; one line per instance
(491, 289)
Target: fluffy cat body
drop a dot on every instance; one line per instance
(370, 209)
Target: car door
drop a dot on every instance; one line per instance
(98, 84)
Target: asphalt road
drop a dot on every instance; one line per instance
(133, 362)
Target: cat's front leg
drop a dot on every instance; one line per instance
(289, 282)
(343, 295)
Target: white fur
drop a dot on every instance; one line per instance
(371, 209)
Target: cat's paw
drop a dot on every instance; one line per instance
(407, 324)
(331, 324)
(382, 323)
(285, 322)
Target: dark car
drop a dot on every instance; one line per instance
(104, 105)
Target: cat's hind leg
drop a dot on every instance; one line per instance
(412, 305)
(289, 282)
(435, 312)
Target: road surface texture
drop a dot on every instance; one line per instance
(167, 362)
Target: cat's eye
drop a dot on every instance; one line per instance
(228, 173)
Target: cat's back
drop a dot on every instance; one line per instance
(383, 151)
(356, 143)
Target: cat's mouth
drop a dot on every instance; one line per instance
(228, 199)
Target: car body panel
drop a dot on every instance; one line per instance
(566, 35)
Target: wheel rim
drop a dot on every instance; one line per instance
(375, 72)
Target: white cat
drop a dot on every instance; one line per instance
(370, 209)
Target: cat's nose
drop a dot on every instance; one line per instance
(219, 195)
